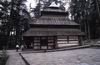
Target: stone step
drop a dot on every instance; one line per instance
(58, 49)
(70, 48)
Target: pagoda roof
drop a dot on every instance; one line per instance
(53, 20)
(53, 9)
(52, 32)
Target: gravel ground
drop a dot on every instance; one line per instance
(87, 56)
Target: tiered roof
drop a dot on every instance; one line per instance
(53, 16)
(53, 20)
(53, 9)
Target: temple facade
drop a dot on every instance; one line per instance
(53, 30)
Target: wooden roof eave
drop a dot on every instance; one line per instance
(53, 32)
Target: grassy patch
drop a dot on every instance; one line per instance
(3, 57)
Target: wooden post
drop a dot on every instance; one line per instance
(40, 43)
(68, 39)
(33, 42)
(56, 45)
(80, 40)
(47, 42)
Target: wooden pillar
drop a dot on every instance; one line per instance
(68, 39)
(33, 42)
(80, 40)
(40, 42)
(47, 42)
(55, 42)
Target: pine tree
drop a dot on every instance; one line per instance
(86, 13)
(4, 17)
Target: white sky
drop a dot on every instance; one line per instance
(32, 2)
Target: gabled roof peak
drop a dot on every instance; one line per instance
(54, 7)
(53, 4)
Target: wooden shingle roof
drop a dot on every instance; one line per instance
(53, 16)
(52, 32)
(53, 9)
(53, 20)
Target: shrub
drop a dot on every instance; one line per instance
(3, 57)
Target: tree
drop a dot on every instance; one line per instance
(85, 13)
(4, 16)
(14, 18)
(17, 22)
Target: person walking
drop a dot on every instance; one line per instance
(17, 47)
(22, 47)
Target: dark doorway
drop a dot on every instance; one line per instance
(44, 42)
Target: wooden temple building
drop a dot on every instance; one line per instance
(53, 30)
